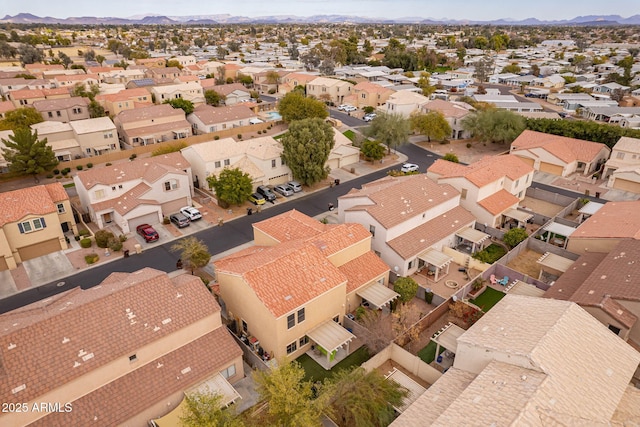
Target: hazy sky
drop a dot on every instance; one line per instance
(453, 9)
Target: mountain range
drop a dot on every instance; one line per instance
(152, 19)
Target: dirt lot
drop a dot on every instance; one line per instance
(465, 154)
(526, 263)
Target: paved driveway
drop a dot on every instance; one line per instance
(48, 268)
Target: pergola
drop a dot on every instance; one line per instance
(378, 295)
(521, 216)
(473, 236)
(589, 209)
(437, 259)
(414, 390)
(518, 287)
(556, 228)
(555, 263)
(448, 338)
(330, 336)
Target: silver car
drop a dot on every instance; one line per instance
(285, 190)
(295, 186)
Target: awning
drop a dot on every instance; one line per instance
(520, 216)
(330, 336)
(472, 235)
(219, 385)
(102, 147)
(449, 337)
(414, 389)
(435, 258)
(378, 295)
(557, 228)
(555, 262)
(590, 208)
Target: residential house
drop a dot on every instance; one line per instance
(559, 155)
(126, 99)
(540, 353)
(207, 119)
(5, 107)
(95, 136)
(366, 94)
(121, 76)
(171, 73)
(188, 91)
(292, 80)
(329, 90)
(623, 168)
(157, 62)
(292, 289)
(73, 80)
(137, 192)
(150, 125)
(233, 93)
(9, 85)
(185, 60)
(63, 110)
(37, 69)
(33, 221)
(603, 230)
(265, 82)
(140, 372)
(491, 188)
(404, 103)
(453, 112)
(410, 218)
(60, 138)
(343, 152)
(26, 97)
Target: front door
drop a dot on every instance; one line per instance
(107, 218)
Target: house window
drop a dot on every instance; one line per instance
(245, 327)
(99, 194)
(620, 156)
(229, 372)
(213, 129)
(77, 110)
(50, 114)
(372, 230)
(291, 321)
(58, 113)
(292, 347)
(120, 186)
(411, 263)
(61, 208)
(520, 195)
(304, 341)
(133, 358)
(614, 329)
(363, 95)
(463, 194)
(301, 315)
(273, 163)
(224, 126)
(172, 184)
(336, 319)
(217, 164)
(88, 150)
(227, 162)
(32, 225)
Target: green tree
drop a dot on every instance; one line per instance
(212, 97)
(372, 150)
(514, 236)
(511, 68)
(205, 410)
(295, 106)
(451, 157)
(306, 147)
(20, 118)
(184, 104)
(406, 287)
(29, 54)
(289, 397)
(390, 129)
(174, 63)
(483, 68)
(233, 186)
(425, 85)
(100, 59)
(358, 398)
(95, 109)
(432, 125)
(494, 125)
(193, 252)
(27, 155)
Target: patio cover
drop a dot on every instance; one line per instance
(449, 337)
(555, 262)
(520, 216)
(472, 235)
(415, 390)
(378, 295)
(590, 208)
(522, 288)
(556, 228)
(435, 257)
(330, 335)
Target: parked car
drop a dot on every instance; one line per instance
(341, 107)
(285, 190)
(192, 213)
(266, 192)
(369, 117)
(148, 233)
(179, 220)
(257, 199)
(295, 186)
(410, 167)
(349, 108)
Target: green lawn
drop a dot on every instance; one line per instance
(490, 254)
(428, 354)
(488, 299)
(350, 134)
(315, 372)
(69, 185)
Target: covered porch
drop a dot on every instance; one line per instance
(513, 218)
(436, 262)
(377, 295)
(469, 240)
(557, 234)
(587, 210)
(552, 266)
(331, 343)
(447, 338)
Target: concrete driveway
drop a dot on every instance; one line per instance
(7, 284)
(48, 268)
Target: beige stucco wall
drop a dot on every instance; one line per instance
(607, 320)
(19, 240)
(262, 239)
(351, 252)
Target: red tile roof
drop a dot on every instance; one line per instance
(613, 220)
(566, 149)
(362, 270)
(484, 171)
(499, 202)
(38, 200)
(291, 225)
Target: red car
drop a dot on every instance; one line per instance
(147, 232)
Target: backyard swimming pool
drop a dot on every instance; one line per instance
(273, 115)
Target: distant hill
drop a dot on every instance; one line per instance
(152, 19)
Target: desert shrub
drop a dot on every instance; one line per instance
(239, 136)
(59, 177)
(49, 176)
(468, 145)
(123, 237)
(217, 137)
(133, 156)
(514, 236)
(85, 243)
(107, 164)
(103, 237)
(115, 244)
(91, 258)
(79, 167)
(83, 232)
(56, 171)
(89, 165)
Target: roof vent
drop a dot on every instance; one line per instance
(288, 297)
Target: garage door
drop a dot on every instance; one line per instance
(150, 219)
(528, 161)
(277, 180)
(173, 206)
(39, 249)
(549, 168)
(3, 264)
(626, 185)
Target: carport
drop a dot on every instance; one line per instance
(378, 295)
(329, 338)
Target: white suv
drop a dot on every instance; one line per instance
(409, 167)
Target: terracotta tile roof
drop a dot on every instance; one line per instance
(6, 106)
(128, 201)
(66, 333)
(149, 112)
(569, 282)
(178, 125)
(227, 89)
(291, 225)
(211, 115)
(362, 270)
(566, 149)
(499, 202)
(628, 410)
(419, 239)
(27, 94)
(60, 104)
(371, 88)
(56, 91)
(125, 95)
(393, 200)
(125, 397)
(339, 237)
(38, 200)
(484, 171)
(151, 169)
(448, 109)
(613, 220)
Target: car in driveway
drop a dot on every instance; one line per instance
(284, 190)
(257, 199)
(295, 186)
(148, 233)
(349, 108)
(192, 213)
(369, 117)
(266, 193)
(341, 107)
(409, 167)
(179, 220)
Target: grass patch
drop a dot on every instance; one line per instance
(69, 185)
(488, 299)
(490, 254)
(428, 354)
(315, 372)
(277, 137)
(350, 134)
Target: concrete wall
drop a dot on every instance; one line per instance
(408, 361)
(547, 196)
(424, 323)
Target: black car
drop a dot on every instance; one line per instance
(266, 193)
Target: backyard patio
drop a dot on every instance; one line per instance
(447, 284)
